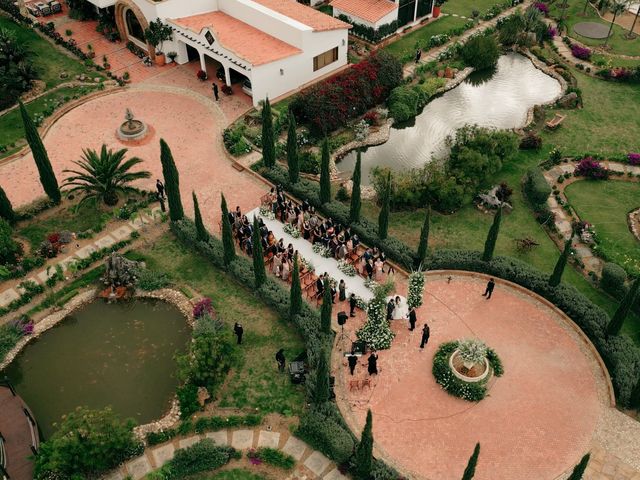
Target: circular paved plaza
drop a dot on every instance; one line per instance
(593, 30)
(537, 420)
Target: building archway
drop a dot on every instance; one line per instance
(131, 24)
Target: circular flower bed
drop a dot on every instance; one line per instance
(450, 369)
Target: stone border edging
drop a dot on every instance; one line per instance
(634, 225)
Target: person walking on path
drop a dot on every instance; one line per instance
(160, 188)
(238, 331)
(352, 360)
(489, 290)
(342, 291)
(280, 359)
(161, 200)
(418, 55)
(425, 336)
(373, 363)
(215, 91)
(412, 319)
(353, 303)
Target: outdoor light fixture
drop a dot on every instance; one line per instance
(343, 42)
(281, 71)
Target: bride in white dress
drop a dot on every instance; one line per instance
(401, 311)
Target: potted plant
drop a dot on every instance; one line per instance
(226, 89)
(202, 75)
(172, 56)
(105, 63)
(90, 52)
(156, 34)
(436, 8)
(126, 78)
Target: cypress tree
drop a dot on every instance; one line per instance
(325, 173)
(470, 471)
(325, 310)
(556, 276)
(171, 182)
(492, 237)
(623, 309)
(47, 177)
(635, 395)
(354, 211)
(295, 298)
(259, 271)
(6, 209)
(579, 469)
(383, 218)
(201, 231)
(424, 237)
(293, 160)
(321, 392)
(268, 141)
(229, 249)
(363, 460)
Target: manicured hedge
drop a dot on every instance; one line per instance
(203, 456)
(203, 424)
(374, 35)
(619, 353)
(536, 186)
(323, 429)
(613, 278)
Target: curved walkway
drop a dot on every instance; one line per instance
(311, 464)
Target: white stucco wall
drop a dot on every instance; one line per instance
(388, 18)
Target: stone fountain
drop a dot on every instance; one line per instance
(131, 128)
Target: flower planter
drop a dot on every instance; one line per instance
(160, 59)
(470, 373)
(436, 11)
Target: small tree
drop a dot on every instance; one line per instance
(229, 249)
(47, 177)
(354, 210)
(6, 209)
(470, 471)
(363, 458)
(259, 272)
(579, 469)
(171, 182)
(623, 309)
(157, 33)
(635, 395)
(268, 140)
(321, 392)
(383, 217)
(617, 7)
(295, 297)
(556, 276)
(201, 231)
(492, 237)
(423, 246)
(325, 310)
(631, 33)
(293, 160)
(481, 52)
(325, 173)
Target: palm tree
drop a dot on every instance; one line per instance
(104, 176)
(631, 33)
(617, 7)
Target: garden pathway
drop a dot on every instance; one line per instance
(564, 219)
(310, 464)
(432, 54)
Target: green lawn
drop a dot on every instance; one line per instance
(465, 7)
(404, 48)
(235, 474)
(605, 205)
(255, 382)
(613, 61)
(618, 43)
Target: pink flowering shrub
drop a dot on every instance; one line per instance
(552, 32)
(202, 308)
(583, 53)
(590, 168)
(542, 7)
(633, 158)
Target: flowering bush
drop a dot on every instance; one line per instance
(437, 40)
(542, 7)
(472, 350)
(416, 289)
(590, 168)
(202, 308)
(377, 332)
(202, 75)
(291, 230)
(583, 53)
(361, 130)
(371, 117)
(633, 158)
(552, 32)
(347, 268)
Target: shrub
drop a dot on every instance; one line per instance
(481, 52)
(10, 250)
(274, 457)
(613, 278)
(10, 335)
(403, 103)
(536, 187)
(200, 457)
(590, 168)
(188, 400)
(633, 158)
(374, 35)
(319, 428)
(583, 53)
(309, 163)
(531, 141)
(203, 424)
(202, 308)
(149, 280)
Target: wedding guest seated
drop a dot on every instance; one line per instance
(355, 240)
(306, 231)
(276, 263)
(248, 246)
(290, 250)
(342, 252)
(285, 269)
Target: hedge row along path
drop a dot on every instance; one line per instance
(563, 219)
(310, 464)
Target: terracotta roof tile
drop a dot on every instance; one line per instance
(311, 17)
(369, 10)
(249, 43)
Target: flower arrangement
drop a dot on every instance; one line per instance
(346, 268)
(321, 250)
(291, 230)
(266, 212)
(370, 284)
(583, 53)
(472, 351)
(633, 158)
(361, 303)
(416, 289)
(202, 308)
(376, 332)
(555, 155)
(590, 168)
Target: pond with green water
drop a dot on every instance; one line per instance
(120, 354)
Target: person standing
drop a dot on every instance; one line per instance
(373, 363)
(412, 319)
(161, 200)
(390, 308)
(238, 331)
(280, 359)
(352, 360)
(418, 55)
(160, 188)
(489, 290)
(342, 291)
(353, 303)
(425, 335)
(215, 91)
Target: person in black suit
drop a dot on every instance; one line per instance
(320, 285)
(412, 319)
(352, 360)
(489, 290)
(425, 335)
(238, 331)
(353, 303)
(390, 308)
(373, 364)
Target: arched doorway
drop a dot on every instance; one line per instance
(131, 24)
(134, 29)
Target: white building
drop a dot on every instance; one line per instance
(274, 46)
(376, 13)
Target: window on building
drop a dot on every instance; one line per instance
(134, 28)
(325, 59)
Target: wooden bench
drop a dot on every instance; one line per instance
(556, 121)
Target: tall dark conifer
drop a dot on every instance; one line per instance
(325, 310)
(268, 140)
(229, 249)
(470, 471)
(295, 297)
(423, 246)
(556, 276)
(579, 469)
(201, 231)
(6, 209)
(383, 218)
(322, 387)
(354, 210)
(293, 160)
(492, 236)
(325, 173)
(623, 309)
(363, 458)
(259, 270)
(171, 182)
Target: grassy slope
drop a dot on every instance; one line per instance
(605, 205)
(465, 7)
(254, 383)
